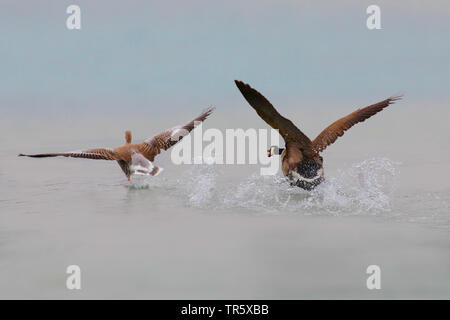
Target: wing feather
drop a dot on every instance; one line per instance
(337, 128)
(151, 147)
(270, 115)
(96, 154)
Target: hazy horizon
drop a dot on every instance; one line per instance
(142, 55)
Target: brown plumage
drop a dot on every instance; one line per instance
(337, 128)
(135, 157)
(300, 160)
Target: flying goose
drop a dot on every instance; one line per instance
(135, 158)
(300, 159)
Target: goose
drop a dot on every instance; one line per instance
(135, 158)
(301, 161)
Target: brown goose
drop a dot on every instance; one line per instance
(300, 159)
(135, 158)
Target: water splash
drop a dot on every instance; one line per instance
(363, 188)
(142, 181)
(368, 187)
(201, 184)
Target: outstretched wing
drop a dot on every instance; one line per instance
(151, 147)
(337, 128)
(96, 154)
(269, 114)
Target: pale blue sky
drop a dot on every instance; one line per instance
(150, 55)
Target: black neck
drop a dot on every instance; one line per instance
(280, 150)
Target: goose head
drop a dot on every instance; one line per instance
(274, 151)
(128, 136)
